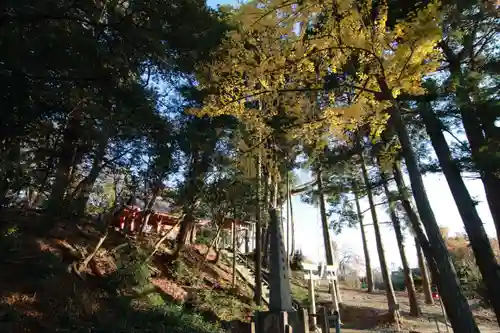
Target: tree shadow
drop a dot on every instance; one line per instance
(360, 317)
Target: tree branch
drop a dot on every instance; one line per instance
(377, 204)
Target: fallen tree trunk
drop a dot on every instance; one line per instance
(79, 268)
(161, 240)
(212, 243)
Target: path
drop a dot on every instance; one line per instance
(358, 299)
(361, 299)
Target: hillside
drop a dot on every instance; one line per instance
(42, 293)
(117, 292)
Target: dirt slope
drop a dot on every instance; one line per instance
(41, 293)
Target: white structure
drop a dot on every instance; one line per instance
(318, 273)
(313, 274)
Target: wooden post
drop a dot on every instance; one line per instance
(323, 320)
(247, 240)
(252, 327)
(333, 283)
(233, 232)
(304, 320)
(337, 290)
(283, 322)
(334, 295)
(312, 300)
(336, 314)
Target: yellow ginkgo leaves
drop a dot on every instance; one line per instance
(281, 48)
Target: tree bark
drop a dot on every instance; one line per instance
(368, 265)
(478, 238)
(66, 160)
(474, 131)
(148, 211)
(408, 276)
(267, 245)
(391, 296)
(267, 202)
(258, 238)
(324, 220)
(235, 252)
(478, 142)
(424, 273)
(456, 304)
(82, 192)
(420, 237)
(187, 224)
(288, 224)
(189, 194)
(292, 222)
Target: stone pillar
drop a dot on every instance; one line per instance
(280, 298)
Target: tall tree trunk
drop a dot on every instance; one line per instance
(456, 305)
(420, 235)
(368, 265)
(292, 222)
(148, 211)
(408, 276)
(82, 192)
(265, 236)
(474, 131)
(324, 220)
(288, 223)
(478, 238)
(424, 273)
(391, 296)
(488, 172)
(335, 292)
(267, 243)
(8, 169)
(235, 252)
(66, 160)
(258, 238)
(189, 194)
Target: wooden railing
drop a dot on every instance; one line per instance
(279, 323)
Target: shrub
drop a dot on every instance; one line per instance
(205, 236)
(297, 260)
(131, 272)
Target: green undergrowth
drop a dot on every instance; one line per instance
(299, 291)
(40, 294)
(219, 302)
(132, 278)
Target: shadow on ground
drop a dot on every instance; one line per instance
(361, 317)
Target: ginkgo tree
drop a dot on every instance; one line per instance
(328, 65)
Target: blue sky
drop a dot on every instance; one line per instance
(214, 3)
(308, 229)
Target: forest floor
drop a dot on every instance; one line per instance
(40, 291)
